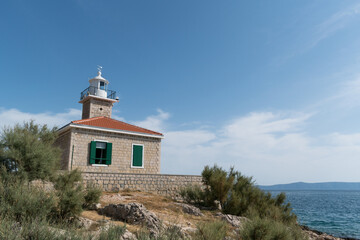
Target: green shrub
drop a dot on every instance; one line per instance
(238, 195)
(92, 195)
(266, 229)
(193, 194)
(113, 233)
(217, 183)
(22, 202)
(42, 230)
(211, 231)
(69, 191)
(144, 234)
(28, 150)
(38, 230)
(171, 232)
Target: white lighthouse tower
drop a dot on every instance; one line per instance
(98, 85)
(97, 99)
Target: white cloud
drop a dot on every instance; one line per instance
(274, 148)
(334, 23)
(263, 123)
(244, 142)
(9, 117)
(189, 138)
(154, 122)
(349, 93)
(346, 96)
(344, 140)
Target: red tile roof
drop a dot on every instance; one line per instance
(106, 122)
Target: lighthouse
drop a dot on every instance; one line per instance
(97, 99)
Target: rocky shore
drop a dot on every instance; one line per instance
(318, 235)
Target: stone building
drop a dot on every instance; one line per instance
(98, 143)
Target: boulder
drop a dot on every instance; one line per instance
(189, 209)
(88, 224)
(94, 206)
(235, 221)
(133, 213)
(128, 236)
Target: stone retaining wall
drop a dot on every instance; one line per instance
(163, 184)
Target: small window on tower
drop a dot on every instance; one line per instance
(102, 85)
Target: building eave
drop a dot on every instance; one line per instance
(111, 130)
(63, 128)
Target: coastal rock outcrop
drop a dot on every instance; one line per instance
(317, 235)
(133, 213)
(189, 209)
(235, 221)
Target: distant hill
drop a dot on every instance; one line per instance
(355, 186)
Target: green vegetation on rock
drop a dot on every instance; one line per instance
(238, 195)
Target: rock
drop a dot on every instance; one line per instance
(317, 235)
(95, 206)
(218, 205)
(189, 209)
(133, 213)
(189, 229)
(89, 224)
(85, 222)
(235, 221)
(128, 236)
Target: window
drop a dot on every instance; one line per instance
(102, 85)
(100, 153)
(137, 156)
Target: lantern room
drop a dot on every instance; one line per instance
(98, 88)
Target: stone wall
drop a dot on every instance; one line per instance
(163, 184)
(121, 152)
(93, 107)
(64, 142)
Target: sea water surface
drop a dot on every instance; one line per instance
(334, 212)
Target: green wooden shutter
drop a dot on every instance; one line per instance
(92, 152)
(108, 153)
(137, 156)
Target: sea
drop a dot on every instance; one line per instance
(333, 212)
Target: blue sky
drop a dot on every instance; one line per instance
(270, 87)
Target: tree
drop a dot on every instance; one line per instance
(217, 184)
(28, 150)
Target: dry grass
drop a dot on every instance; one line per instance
(93, 215)
(165, 208)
